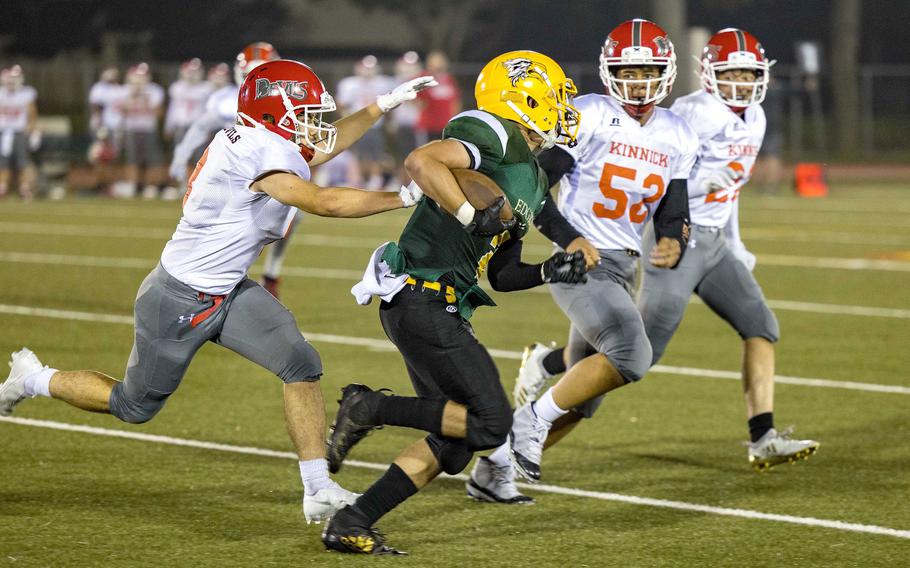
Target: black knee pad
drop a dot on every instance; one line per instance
(452, 454)
(488, 426)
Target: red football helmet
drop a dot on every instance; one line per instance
(287, 98)
(251, 56)
(731, 48)
(638, 43)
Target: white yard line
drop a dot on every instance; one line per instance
(556, 489)
(354, 275)
(368, 243)
(385, 345)
(789, 235)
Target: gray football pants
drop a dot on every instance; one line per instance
(173, 321)
(605, 320)
(724, 284)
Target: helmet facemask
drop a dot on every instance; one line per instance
(656, 89)
(303, 122)
(744, 60)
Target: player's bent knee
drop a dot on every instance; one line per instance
(133, 412)
(302, 363)
(765, 326)
(488, 427)
(633, 362)
(453, 456)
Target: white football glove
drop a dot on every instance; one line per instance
(722, 179)
(406, 91)
(743, 255)
(410, 194)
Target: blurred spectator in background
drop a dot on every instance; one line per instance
(403, 121)
(220, 108)
(439, 103)
(354, 93)
(18, 131)
(140, 103)
(187, 99)
(104, 125)
(218, 76)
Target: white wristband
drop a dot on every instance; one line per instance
(465, 214)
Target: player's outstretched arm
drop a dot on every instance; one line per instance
(350, 128)
(330, 201)
(507, 273)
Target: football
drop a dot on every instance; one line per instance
(481, 191)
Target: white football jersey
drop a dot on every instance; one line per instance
(724, 139)
(225, 224)
(14, 107)
(187, 103)
(106, 95)
(622, 170)
(140, 108)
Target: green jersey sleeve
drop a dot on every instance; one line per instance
(483, 136)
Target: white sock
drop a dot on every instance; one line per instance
(546, 409)
(315, 475)
(39, 384)
(500, 456)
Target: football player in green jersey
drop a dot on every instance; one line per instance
(429, 286)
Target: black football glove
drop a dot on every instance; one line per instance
(565, 267)
(487, 223)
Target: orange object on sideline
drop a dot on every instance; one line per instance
(810, 180)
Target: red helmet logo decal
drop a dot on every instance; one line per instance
(663, 46)
(293, 89)
(610, 47)
(712, 52)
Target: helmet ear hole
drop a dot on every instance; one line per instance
(532, 103)
(268, 118)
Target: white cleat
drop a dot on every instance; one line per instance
(22, 364)
(532, 377)
(775, 448)
(529, 432)
(321, 505)
(495, 484)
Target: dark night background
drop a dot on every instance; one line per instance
(212, 30)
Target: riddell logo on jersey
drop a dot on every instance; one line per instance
(293, 89)
(639, 153)
(742, 150)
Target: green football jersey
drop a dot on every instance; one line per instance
(434, 243)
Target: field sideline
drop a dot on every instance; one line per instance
(658, 478)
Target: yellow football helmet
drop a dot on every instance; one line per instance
(533, 90)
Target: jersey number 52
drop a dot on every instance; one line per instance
(638, 212)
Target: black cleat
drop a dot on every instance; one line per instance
(348, 532)
(350, 426)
